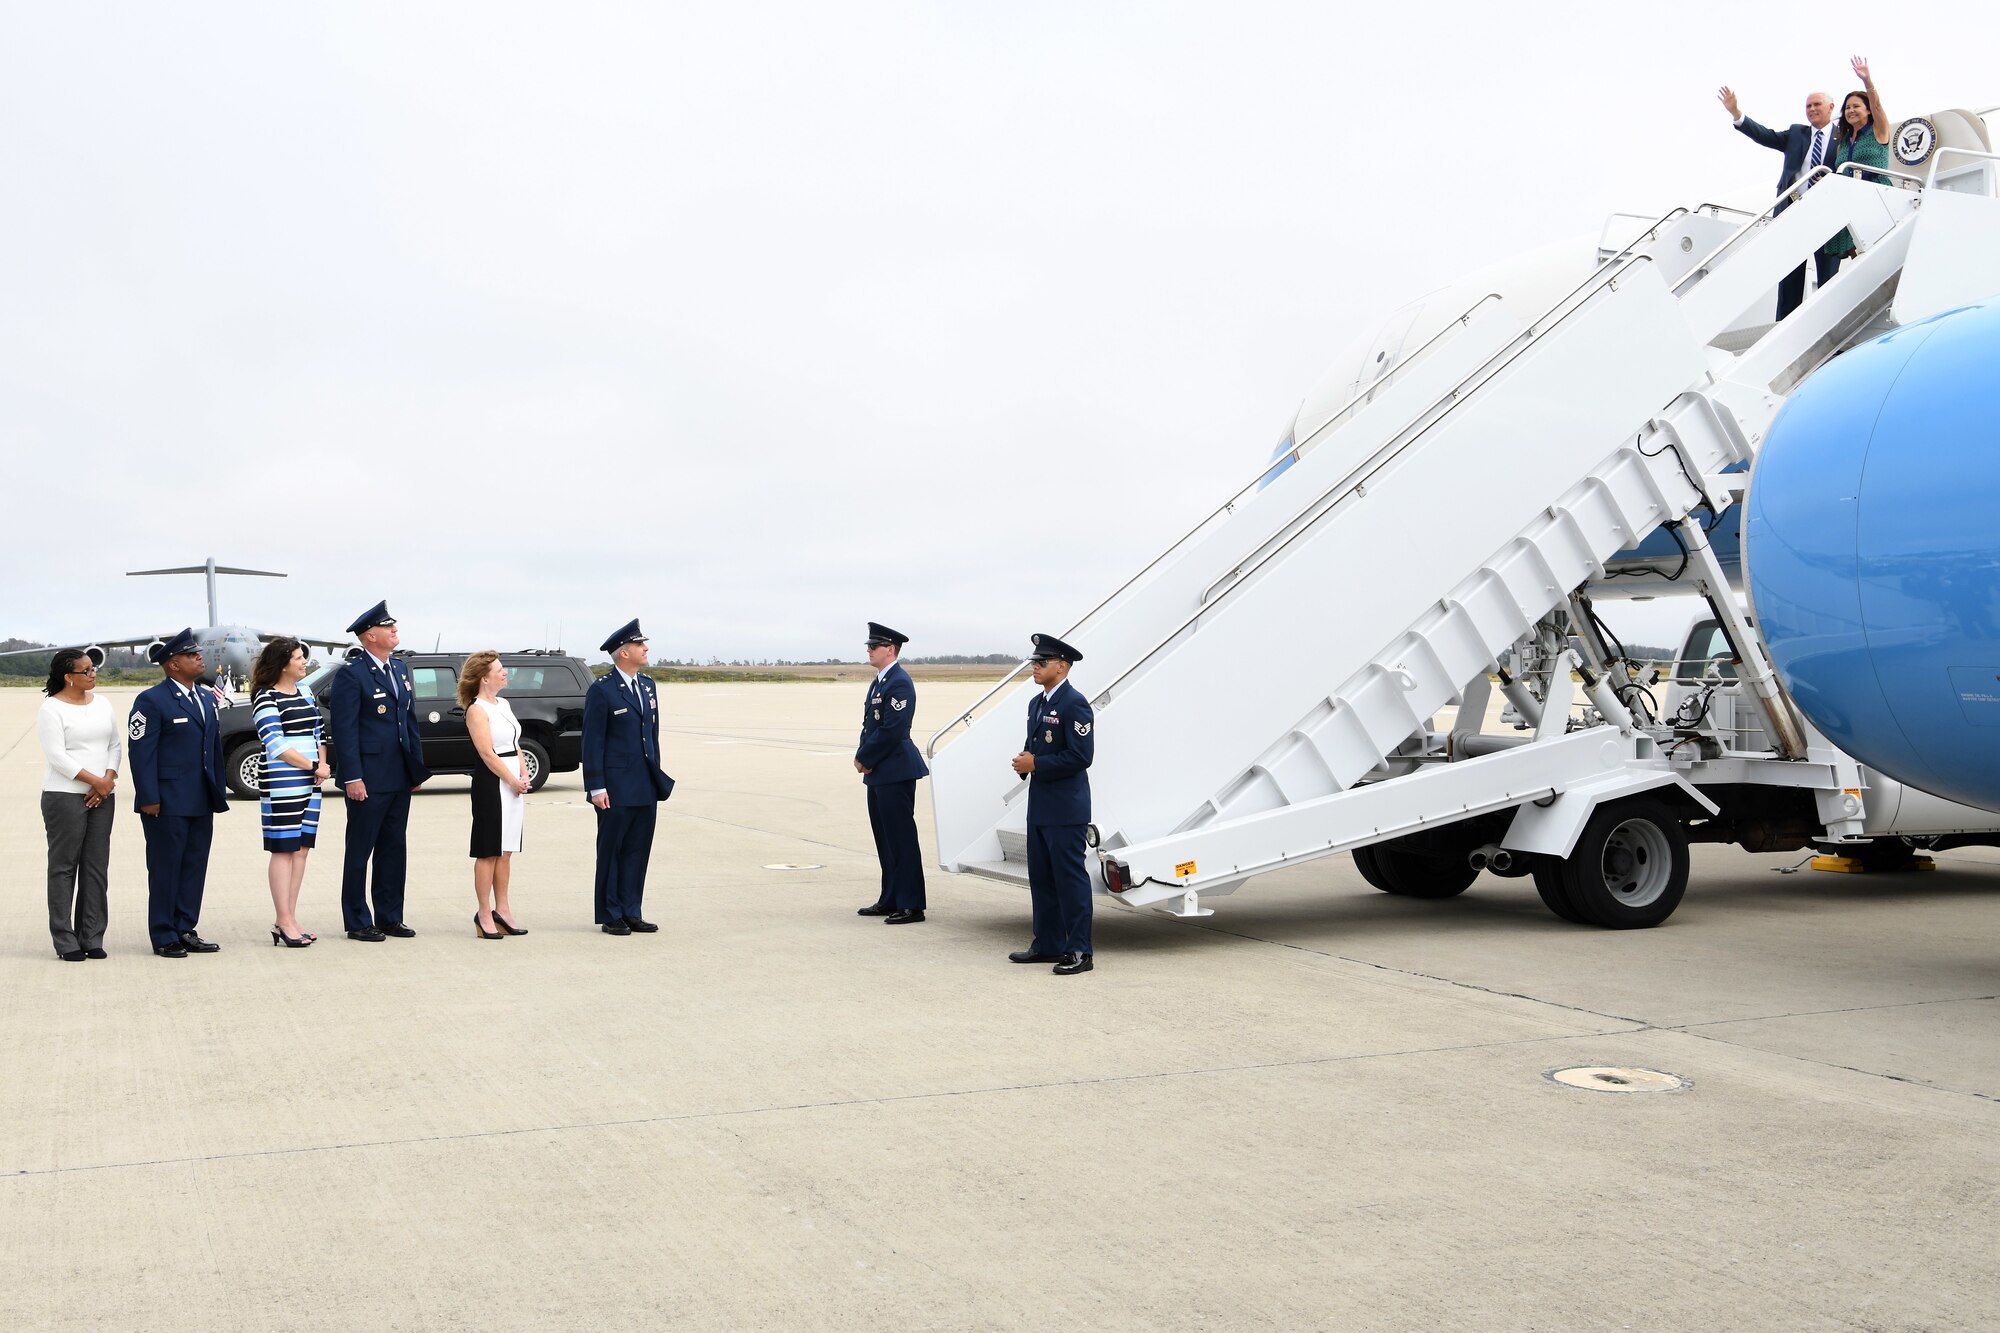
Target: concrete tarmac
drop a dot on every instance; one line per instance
(1321, 1108)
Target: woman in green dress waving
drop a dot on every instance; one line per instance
(1862, 137)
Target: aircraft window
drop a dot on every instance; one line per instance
(1706, 654)
(434, 683)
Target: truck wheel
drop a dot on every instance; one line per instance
(536, 760)
(1549, 883)
(1414, 875)
(1630, 867)
(1364, 861)
(245, 770)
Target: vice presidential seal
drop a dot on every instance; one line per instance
(1914, 141)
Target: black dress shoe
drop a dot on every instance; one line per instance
(170, 950)
(915, 914)
(368, 935)
(1072, 964)
(196, 944)
(95, 953)
(1030, 956)
(72, 956)
(615, 928)
(396, 928)
(875, 909)
(638, 927)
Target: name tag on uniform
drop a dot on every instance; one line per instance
(178, 720)
(620, 712)
(380, 695)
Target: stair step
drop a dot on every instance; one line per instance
(1010, 872)
(1014, 846)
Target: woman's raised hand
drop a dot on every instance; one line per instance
(1860, 64)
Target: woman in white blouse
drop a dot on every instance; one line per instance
(80, 743)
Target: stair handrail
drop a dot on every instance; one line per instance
(1859, 168)
(1451, 393)
(1792, 193)
(1937, 160)
(1606, 276)
(1289, 456)
(1606, 271)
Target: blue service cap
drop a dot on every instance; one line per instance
(1048, 645)
(184, 642)
(879, 635)
(377, 614)
(628, 633)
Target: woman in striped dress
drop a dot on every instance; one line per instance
(288, 724)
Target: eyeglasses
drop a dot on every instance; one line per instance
(1039, 662)
(81, 671)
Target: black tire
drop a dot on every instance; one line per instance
(1414, 875)
(1364, 861)
(243, 770)
(1630, 867)
(536, 757)
(1548, 874)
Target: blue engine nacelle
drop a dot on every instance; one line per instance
(1872, 542)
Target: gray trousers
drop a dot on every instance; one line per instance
(79, 861)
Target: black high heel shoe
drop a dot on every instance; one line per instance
(496, 935)
(508, 926)
(300, 941)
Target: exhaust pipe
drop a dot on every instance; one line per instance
(1491, 857)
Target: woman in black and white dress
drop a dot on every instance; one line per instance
(499, 786)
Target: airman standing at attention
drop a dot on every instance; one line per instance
(177, 787)
(378, 758)
(1058, 752)
(621, 771)
(889, 765)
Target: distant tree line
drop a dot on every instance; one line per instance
(940, 659)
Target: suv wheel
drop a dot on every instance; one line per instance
(536, 759)
(245, 770)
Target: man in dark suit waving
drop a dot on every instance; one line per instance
(176, 772)
(378, 755)
(1805, 147)
(1055, 761)
(889, 765)
(621, 771)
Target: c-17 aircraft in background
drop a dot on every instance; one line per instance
(228, 651)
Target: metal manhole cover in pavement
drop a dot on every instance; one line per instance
(1617, 1078)
(792, 865)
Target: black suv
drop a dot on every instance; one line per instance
(546, 690)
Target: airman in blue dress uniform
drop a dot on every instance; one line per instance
(177, 788)
(1055, 759)
(890, 766)
(378, 758)
(621, 771)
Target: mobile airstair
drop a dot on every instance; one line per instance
(1268, 690)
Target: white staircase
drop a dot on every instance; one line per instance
(1246, 682)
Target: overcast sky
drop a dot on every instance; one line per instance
(761, 321)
